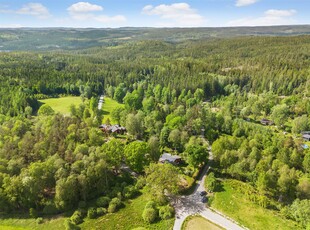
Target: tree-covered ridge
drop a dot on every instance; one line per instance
(79, 38)
(254, 64)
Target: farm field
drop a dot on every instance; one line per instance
(62, 104)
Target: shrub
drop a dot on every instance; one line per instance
(150, 204)
(92, 213)
(166, 212)
(149, 215)
(50, 209)
(103, 201)
(33, 213)
(39, 220)
(129, 191)
(141, 182)
(116, 201)
(112, 208)
(70, 226)
(101, 211)
(77, 217)
(82, 204)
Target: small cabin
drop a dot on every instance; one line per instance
(112, 129)
(265, 121)
(172, 159)
(306, 137)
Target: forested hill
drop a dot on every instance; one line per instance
(70, 38)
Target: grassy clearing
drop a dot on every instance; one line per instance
(235, 205)
(199, 223)
(129, 217)
(23, 223)
(108, 105)
(62, 104)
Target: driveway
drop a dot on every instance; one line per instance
(191, 205)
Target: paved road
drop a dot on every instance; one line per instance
(190, 205)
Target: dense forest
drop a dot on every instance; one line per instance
(179, 97)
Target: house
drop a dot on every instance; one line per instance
(305, 132)
(112, 129)
(172, 159)
(306, 137)
(265, 121)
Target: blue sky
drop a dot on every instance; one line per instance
(152, 13)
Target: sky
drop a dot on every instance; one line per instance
(152, 13)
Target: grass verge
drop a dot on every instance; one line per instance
(199, 223)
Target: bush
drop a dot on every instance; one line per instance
(166, 212)
(141, 182)
(50, 209)
(150, 204)
(92, 213)
(116, 201)
(77, 217)
(129, 191)
(39, 220)
(112, 208)
(33, 213)
(149, 215)
(70, 226)
(103, 201)
(82, 204)
(101, 211)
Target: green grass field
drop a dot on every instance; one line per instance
(108, 105)
(23, 223)
(127, 218)
(235, 205)
(62, 104)
(199, 223)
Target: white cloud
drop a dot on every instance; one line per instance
(270, 18)
(177, 14)
(34, 9)
(84, 7)
(280, 13)
(240, 3)
(85, 11)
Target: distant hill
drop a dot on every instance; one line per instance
(73, 38)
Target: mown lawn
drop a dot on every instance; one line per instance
(199, 223)
(62, 104)
(235, 205)
(127, 218)
(107, 107)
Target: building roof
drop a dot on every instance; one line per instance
(112, 128)
(307, 136)
(169, 157)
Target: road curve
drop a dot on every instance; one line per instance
(192, 205)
